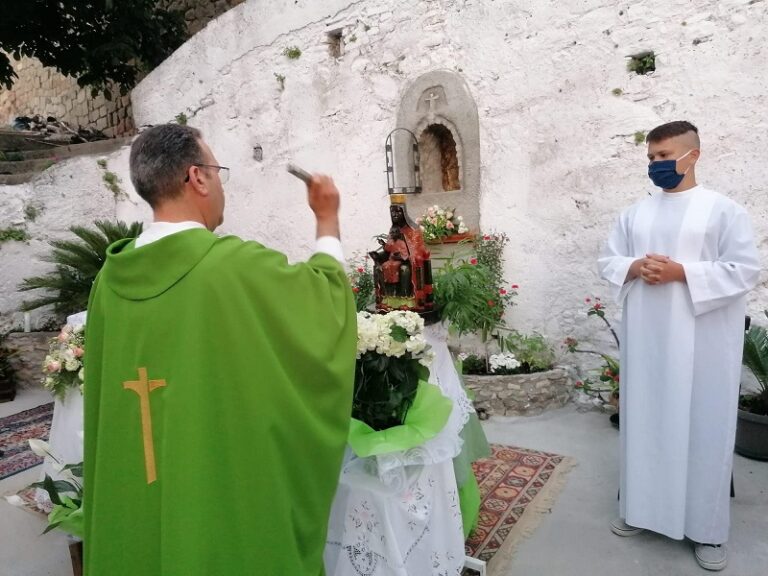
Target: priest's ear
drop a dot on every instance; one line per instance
(196, 179)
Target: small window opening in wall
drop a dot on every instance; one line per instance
(439, 160)
(335, 43)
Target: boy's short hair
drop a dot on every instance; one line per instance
(670, 130)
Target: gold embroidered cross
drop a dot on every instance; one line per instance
(143, 387)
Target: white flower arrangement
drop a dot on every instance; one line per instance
(63, 366)
(503, 362)
(392, 358)
(394, 334)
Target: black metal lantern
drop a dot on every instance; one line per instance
(402, 151)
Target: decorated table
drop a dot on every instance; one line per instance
(398, 509)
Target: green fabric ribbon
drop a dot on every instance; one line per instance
(427, 416)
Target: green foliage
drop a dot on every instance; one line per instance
(31, 212)
(642, 64)
(112, 181)
(462, 292)
(639, 137)
(181, 118)
(470, 295)
(474, 364)
(101, 163)
(280, 81)
(617, 92)
(11, 156)
(13, 235)
(756, 360)
(292, 52)
(99, 43)
(77, 262)
(533, 351)
(385, 387)
(67, 499)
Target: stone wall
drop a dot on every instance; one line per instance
(558, 112)
(520, 394)
(41, 90)
(30, 351)
(44, 91)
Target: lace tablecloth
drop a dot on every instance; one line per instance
(398, 514)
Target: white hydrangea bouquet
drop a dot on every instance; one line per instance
(392, 357)
(63, 366)
(439, 223)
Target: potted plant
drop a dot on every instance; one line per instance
(752, 423)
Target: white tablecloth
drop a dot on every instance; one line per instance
(398, 514)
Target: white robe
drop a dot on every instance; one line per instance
(681, 348)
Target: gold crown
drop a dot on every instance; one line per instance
(397, 198)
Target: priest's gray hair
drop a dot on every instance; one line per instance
(160, 160)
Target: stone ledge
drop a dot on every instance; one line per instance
(520, 394)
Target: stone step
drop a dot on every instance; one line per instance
(25, 166)
(65, 151)
(70, 150)
(17, 140)
(14, 179)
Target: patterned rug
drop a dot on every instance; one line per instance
(518, 488)
(15, 430)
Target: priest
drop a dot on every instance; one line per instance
(681, 262)
(218, 383)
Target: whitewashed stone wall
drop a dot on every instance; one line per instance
(558, 155)
(67, 194)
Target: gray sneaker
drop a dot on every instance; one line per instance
(621, 528)
(711, 556)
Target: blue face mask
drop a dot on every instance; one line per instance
(664, 174)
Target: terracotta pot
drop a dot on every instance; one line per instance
(454, 239)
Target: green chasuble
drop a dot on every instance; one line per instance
(218, 397)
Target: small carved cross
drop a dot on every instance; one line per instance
(143, 387)
(431, 99)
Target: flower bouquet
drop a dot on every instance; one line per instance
(439, 224)
(392, 357)
(63, 366)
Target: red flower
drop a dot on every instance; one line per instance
(515, 286)
(616, 378)
(502, 291)
(491, 303)
(597, 306)
(355, 289)
(587, 300)
(473, 261)
(579, 384)
(361, 269)
(486, 237)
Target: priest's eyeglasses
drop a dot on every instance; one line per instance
(222, 170)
